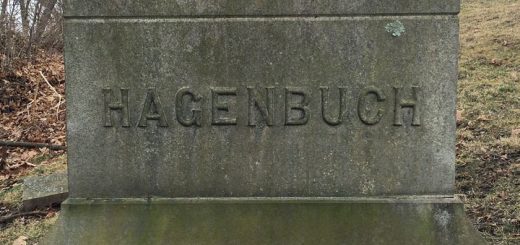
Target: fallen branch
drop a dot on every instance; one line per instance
(55, 92)
(49, 84)
(24, 163)
(28, 108)
(32, 145)
(11, 217)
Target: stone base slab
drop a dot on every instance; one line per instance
(412, 220)
(43, 191)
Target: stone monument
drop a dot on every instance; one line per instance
(261, 122)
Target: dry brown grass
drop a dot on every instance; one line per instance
(489, 99)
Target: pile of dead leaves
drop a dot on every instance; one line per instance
(32, 109)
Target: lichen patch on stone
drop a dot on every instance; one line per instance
(442, 218)
(396, 28)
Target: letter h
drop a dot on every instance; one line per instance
(111, 105)
(413, 103)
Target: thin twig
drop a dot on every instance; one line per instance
(48, 83)
(56, 92)
(29, 105)
(11, 217)
(33, 101)
(16, 166)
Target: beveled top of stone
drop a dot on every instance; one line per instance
(223, 8)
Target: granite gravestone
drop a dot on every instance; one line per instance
(267, 122)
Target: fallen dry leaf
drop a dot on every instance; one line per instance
(515, 76)
(515, 133)
(20, 241)
(515, 169)
(460, 118)
(484, 118)
(50, 214)
(497, 62)
(29, 154)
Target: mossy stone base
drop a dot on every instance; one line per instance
(425, 220)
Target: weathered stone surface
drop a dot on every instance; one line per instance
(382, 145)
(43, 191)
(103, 8)
(265, 221)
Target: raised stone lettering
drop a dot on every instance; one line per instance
(301, 106)
(412, 103)
(152, 110)
(182, 106)
(261, 107)
(218, 106)
(365, 113)
(265, 108)
(119, 105)
(325, 104)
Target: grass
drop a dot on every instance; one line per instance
(488, 149)
(34, 228)
(488, 169)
